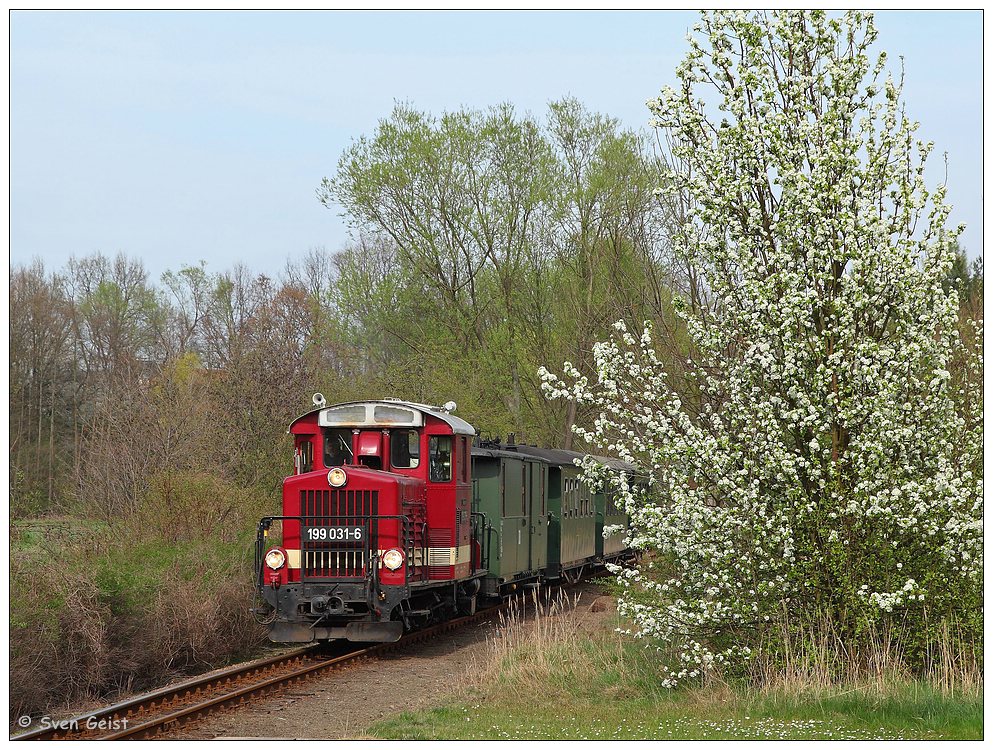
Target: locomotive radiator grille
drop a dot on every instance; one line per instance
(439, 553)
(349, 508)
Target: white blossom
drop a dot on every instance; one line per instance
(822, 458)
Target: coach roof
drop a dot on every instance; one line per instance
(562, 457)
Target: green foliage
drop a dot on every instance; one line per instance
(964, 277)
(487, 242)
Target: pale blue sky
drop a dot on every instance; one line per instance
(176, 137)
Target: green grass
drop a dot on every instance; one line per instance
(683, 717)
(565, 679)
(126, 571)
(33, 538)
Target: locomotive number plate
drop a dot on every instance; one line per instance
(334, 533)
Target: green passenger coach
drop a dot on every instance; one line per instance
(510, 514)
(610, 514)
(535, 518)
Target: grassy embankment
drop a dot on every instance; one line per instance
(101, 609)
(571, 677)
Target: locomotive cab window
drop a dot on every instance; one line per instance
(337, 447)
(305, 456)
(440, 458)
(405, 449)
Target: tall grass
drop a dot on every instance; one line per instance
(813, 658)
(554, 647)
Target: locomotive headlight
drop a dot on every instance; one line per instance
(275, 559)
(337, 477)
(393, 559)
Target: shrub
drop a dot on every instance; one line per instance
(123, 606)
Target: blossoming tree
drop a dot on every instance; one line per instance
(812, 457)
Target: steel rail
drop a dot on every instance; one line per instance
(168, 694)
(223, 689)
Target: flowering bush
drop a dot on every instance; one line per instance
(812, 454)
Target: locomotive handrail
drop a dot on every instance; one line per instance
(491, 529)
(484, 550)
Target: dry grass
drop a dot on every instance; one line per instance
(557, 648)
(553, 648)
(815, 660)
(556, 669)
(113, 612)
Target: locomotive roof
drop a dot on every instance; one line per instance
(459, 426)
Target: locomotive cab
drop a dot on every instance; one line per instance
(375, 526)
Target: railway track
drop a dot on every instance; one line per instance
(165, 710)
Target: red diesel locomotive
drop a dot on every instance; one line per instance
(376, 525)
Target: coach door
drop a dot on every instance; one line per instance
(512, 539)
(538, 515)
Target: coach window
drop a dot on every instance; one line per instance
(524, 488)
(542, 470)
(337, 447)
(503, 488)
(405, 449)
(440, 457)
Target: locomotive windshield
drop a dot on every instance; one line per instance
(440, 450)
(337, 447)
(405, 449)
